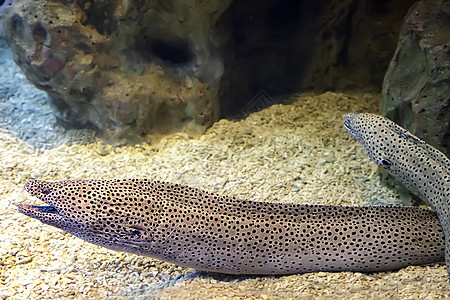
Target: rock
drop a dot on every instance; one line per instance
(416, 90)
(119, 66)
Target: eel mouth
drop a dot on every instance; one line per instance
(47, 214)
(46, 209)
(42, 191)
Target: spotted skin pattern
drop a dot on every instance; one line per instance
(205, 231)
(420, 167)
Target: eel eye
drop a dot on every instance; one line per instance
(385, 162)
(46, 191)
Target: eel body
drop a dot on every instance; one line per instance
(202, 230)
(423, 169)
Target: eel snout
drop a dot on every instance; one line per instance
(45, 213)
(348, 121)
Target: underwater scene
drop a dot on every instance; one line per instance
(224, 149)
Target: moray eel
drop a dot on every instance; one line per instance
(421, 168)
(205, 231)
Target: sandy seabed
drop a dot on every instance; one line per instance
(294, 152)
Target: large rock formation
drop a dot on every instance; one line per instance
(162, 66)
(416, 89)
(147, 66)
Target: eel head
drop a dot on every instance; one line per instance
(96, 211)
(401, 153)
(379, 136)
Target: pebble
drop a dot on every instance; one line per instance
(23, 260)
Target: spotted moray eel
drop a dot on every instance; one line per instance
(421, 168)
(205, 231)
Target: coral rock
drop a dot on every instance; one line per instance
(121, 66)
(416, 93)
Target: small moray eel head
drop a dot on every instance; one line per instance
(405, 156)
(376, 134)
